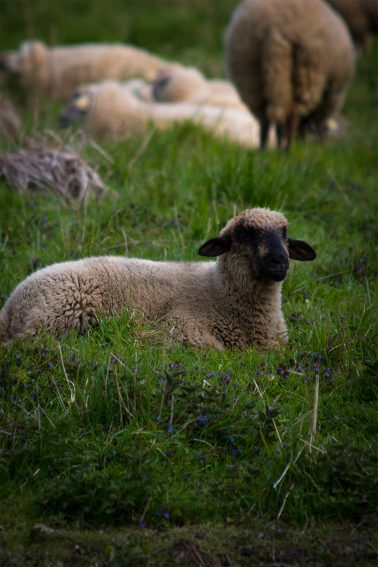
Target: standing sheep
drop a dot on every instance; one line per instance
(58, 71)
(291, 61)
(361, 16)
(234, 302)
(112, 111)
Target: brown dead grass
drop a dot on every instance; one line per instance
(29, 170)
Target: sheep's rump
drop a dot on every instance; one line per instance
(282, 53)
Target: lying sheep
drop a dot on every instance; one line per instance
(188, 84)
(361, 16)
(234, 302)
(291, 61)
(58, 71)
(111, 111)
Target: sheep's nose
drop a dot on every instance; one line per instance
(277, 259)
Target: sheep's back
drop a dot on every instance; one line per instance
(58, 71)
(361, 16)
(61, 294)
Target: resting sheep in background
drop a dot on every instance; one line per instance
(361, 16)
(58, 71)
(291, 61)
(112, 111)
(189, 85)
(234, 302)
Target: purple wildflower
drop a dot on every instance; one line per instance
(226, 377)
(202, 420)
(234, 451)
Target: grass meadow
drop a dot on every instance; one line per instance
(136, 451)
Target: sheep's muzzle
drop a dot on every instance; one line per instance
(69, 116)
(77, 108)
(274, 262)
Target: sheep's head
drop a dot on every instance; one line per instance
(257, 241)
(31, 55)
(178, 84)
(78, 107)
(107, 110)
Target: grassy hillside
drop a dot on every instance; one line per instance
(156, 444)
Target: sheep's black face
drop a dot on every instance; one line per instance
(159, 85)
(262, 251)
(267, 251)
(77, 108)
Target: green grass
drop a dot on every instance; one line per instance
(117, 428)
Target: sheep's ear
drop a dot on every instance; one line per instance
(215, 246)
(300, 250)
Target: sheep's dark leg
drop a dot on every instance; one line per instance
(281, 136)
(292, 126)
(264, 132)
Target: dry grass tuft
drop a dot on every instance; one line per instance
(31, 169)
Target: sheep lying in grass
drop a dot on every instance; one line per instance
(291, 61)
(188, 84)
(361, 17)
(110, 111)
(234, 302)
(58, 71)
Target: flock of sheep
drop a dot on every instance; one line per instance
(290, 62)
